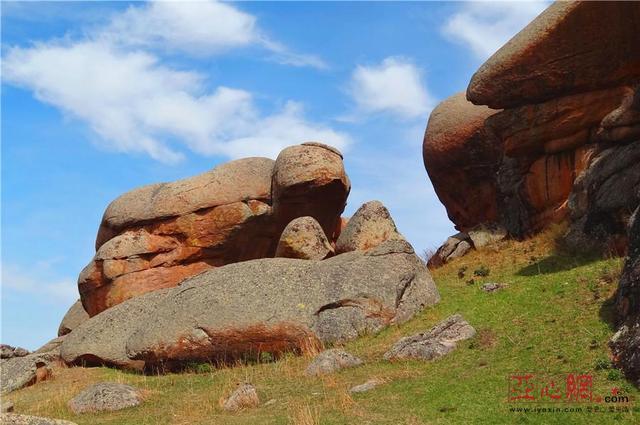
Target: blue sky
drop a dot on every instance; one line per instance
(101, 97)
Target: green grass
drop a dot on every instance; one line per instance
(553, 316)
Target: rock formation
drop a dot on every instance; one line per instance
(271, 305)
(559, 135)
(156, 236)
(625, 344)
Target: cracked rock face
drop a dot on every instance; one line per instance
(156, 236)
(437, 342)
(625, 344)
(267, 305)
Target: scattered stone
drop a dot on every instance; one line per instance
(244, 397)
(75, 316)
(367, 386)
(484, 235)
(454, 247)
(270, 402)
(8, 352)
(437, 342)
(15, 419)
(330, 361)
(7, 406)
(370, 226)
(491, 287)
(18, 372)
(105, 396)
(303, 238)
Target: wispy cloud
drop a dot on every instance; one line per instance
(485, 26)
(393, 86)
(114, 81)
(38, 282)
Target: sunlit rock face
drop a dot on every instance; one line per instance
(156, 236)
(549, 129)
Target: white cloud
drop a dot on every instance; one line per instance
(394, 86)
(135, 104)
(37, 282)
(485, 26)
(198, 28)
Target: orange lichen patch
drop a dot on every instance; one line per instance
(227, 346)
(138, 283)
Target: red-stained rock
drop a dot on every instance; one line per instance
(156, 236)
(462, 157)
(571, 47)
(570, 86)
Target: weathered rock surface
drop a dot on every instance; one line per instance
(15, 419)
(437, 342)
(156, 236)
(367, 386)
(519, 167)
(18, 372)
(303, 238)
(74, 317)
(102, 339)
(8, 352)
(603, 198)
(625, 344)
(244, 397)
(485, 235)
(265, 305)
(370, 226)
(330, 361)
(566, 49)
(51, 347)
(105, 396)
(491, 287)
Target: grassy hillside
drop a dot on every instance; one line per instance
(552, 317)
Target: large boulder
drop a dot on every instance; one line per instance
(625, 344)
(266, 305)
(569, 89)
(304, 238)
(571, 47)
(461, 157)
(369, 227)
(156, 236)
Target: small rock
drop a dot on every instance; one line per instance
(105, 396)
(7, 406)
(488, 234)
(369, 385)
(330, 361)
(491, 287)
(303, 238)
(14, 419)
(245, 396)
(270, 402)
(9, 352)
(369, 227)
(438, 341)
